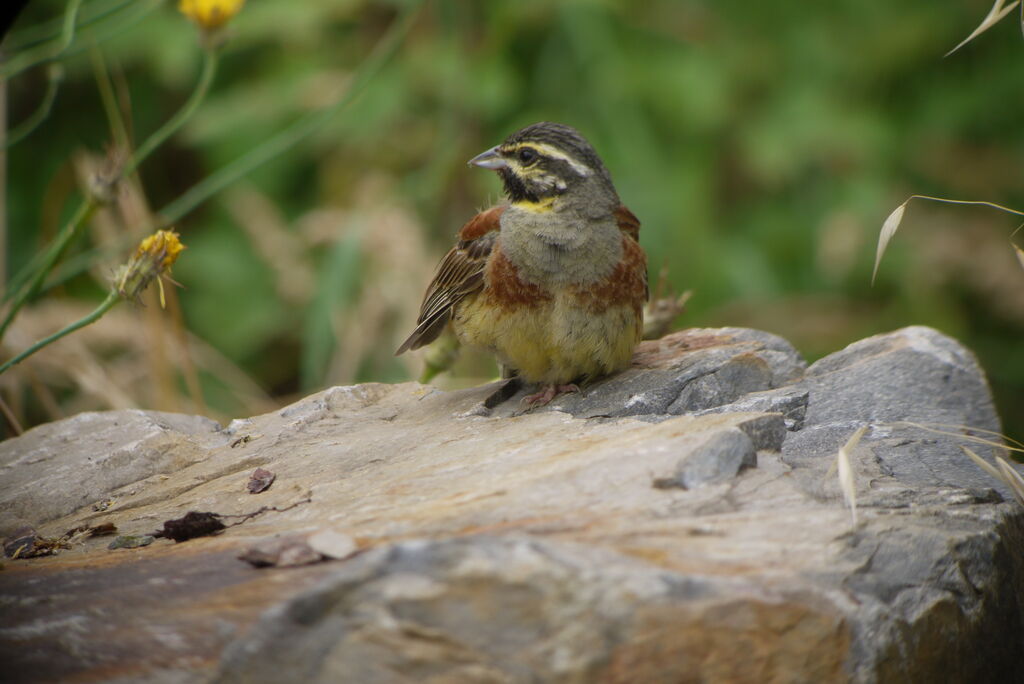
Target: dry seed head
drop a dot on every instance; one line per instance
(888, 230)
(101, 175)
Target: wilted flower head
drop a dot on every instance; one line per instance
(153, 258)
(210, 14)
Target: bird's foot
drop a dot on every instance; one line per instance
(547, 394)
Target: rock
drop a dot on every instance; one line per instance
(59, 467)
(539, 546)
(686, 372)
(717, 459)
(790, 402)
(914, 375)
(332, 544)
(514, 609)
(282, 553)
(767, 431)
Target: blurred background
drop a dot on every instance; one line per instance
(762, 145)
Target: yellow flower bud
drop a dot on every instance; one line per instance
(153, 258)
(210, 14)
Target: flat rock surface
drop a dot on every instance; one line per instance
(676, 522)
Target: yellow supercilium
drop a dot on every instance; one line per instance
(210, 14)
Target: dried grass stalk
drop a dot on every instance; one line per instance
(846, 480)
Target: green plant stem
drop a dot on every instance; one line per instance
(90, 204)
(118, 131)
(119, 24)
(79, 263)
(22, 130)
(302, 128)
(46, 53)
(82, 214)
(50, 30)
(175, 122)
(103, 308)
(220, 179)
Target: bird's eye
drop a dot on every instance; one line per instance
(527, 155)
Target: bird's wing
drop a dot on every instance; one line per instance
(630, 225)
(628, 222)
(460, 273)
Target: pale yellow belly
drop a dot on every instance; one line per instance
(554, 342)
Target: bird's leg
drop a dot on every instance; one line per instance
(547, 393)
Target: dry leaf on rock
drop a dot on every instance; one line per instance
(260, 480)
(193, 524)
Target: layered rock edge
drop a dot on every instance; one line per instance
(675, 522)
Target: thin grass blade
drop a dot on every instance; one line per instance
(983, 464)
(1012, 478)
(959, 431)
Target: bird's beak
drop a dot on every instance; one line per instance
(490, 159)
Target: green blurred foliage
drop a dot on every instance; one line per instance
(762, 146)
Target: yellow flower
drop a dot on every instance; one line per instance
(153, 258)
(210, 14)
(163, 247)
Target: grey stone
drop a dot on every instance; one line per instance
(767, 431)
(687, 372)
(59, 467)
(716, 460)
(785, 361)
(722, 384)
(913, 375)
(791, 402)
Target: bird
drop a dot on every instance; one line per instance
(552, 281)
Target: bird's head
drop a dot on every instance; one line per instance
(547, 161)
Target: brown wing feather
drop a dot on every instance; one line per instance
(628, 222)
(630, 225)
(460, 273)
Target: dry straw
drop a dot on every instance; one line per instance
(846, 479)
(892, 223)
(1003, 472)
(994, 16)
